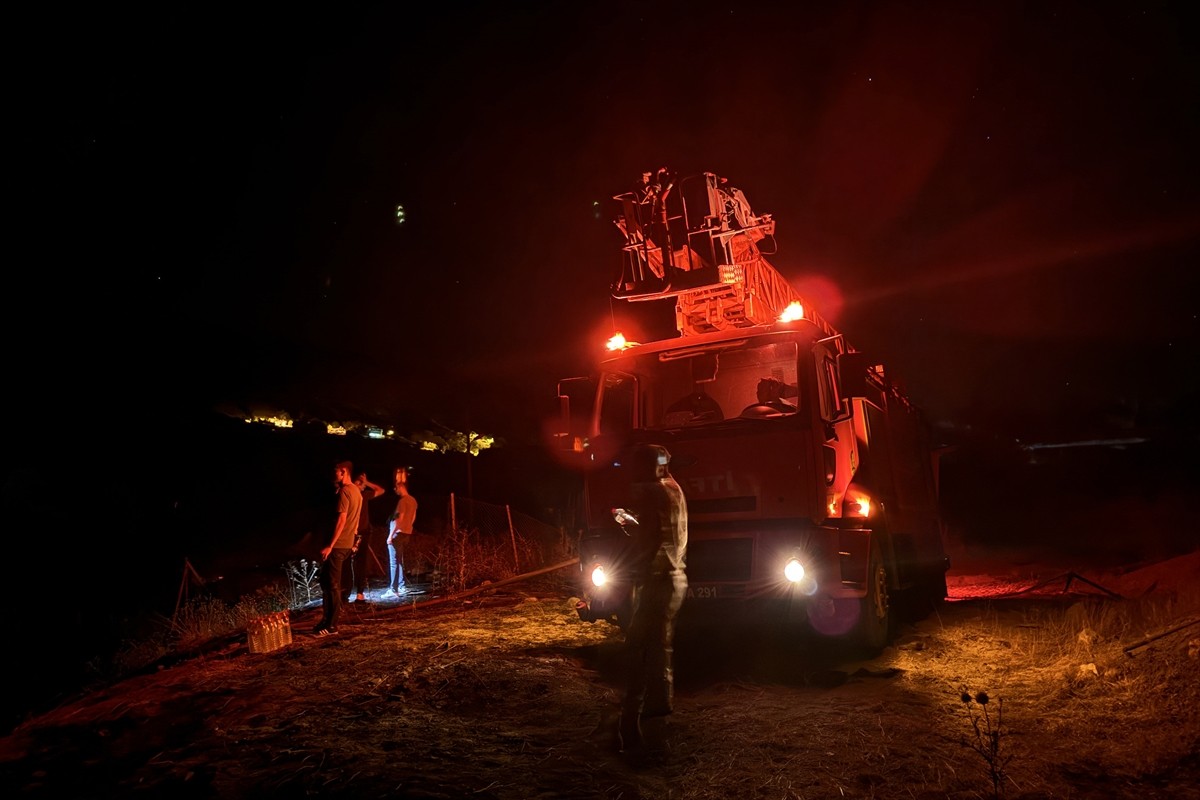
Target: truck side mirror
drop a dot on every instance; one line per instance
(853, 372)
(575, 397)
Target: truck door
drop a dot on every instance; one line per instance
(840, 449)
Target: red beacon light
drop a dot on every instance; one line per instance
(793, 312)
(619, 342)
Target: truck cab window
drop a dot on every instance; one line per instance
(617, 404)
(827, 384)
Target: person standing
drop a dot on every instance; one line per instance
(660, 229)
(361, 552)
(334, 555)
(658, 552)
(400, 527)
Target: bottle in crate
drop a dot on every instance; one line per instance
(254, 636)
(277, 632)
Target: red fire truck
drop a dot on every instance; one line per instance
(810, 480)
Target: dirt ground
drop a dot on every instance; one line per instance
(509, 695)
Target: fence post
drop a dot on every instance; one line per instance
(512, 534)
(189, 575)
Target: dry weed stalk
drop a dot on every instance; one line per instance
(988, 737)
(304, 579)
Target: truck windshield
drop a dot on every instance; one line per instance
(675, 390)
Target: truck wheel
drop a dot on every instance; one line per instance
(865, 622)
(875, 612)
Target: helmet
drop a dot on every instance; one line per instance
(649, 461)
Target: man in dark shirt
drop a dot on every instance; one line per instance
(362, 551)
(658, 560)
(334, 555)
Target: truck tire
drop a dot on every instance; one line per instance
(875, 611)
(864, 622)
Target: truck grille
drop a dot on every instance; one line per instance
(719, 560)
(723, 505)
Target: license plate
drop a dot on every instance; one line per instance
(702, 591)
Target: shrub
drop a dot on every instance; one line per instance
(199, 620)
(303, 578)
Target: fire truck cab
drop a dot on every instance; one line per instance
(810, 482)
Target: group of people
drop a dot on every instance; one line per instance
(657, 556)
(350, 542)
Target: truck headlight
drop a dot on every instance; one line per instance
(794, 570)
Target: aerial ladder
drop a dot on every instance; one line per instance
(698, 240)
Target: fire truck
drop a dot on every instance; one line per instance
(810, 479)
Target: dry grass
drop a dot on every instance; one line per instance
(511, 696)
(198, 622)
(1073, 681)
(461, 559)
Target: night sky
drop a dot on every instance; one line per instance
(998, 199)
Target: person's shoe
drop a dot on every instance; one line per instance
(653, 711)
(629, 733)
(359, 598)
(654, 736)
(323, 630)
(391, 594)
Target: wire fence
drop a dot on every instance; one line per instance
(546, 543)
(458, 543)
(476, 542)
